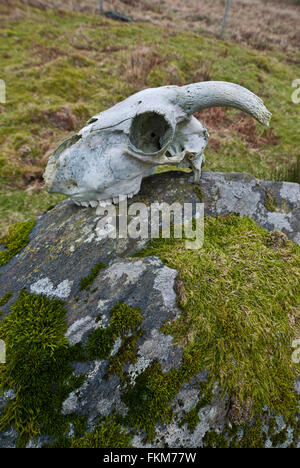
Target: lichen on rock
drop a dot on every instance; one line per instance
(165, 346)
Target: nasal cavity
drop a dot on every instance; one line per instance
(150, 132)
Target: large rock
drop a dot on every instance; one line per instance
(64, 247)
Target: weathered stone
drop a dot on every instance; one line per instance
(64, 247)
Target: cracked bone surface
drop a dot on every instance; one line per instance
(117, 148)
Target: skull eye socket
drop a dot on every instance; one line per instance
(150, 132)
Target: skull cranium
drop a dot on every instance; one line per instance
(110, 156)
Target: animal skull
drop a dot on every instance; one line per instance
(118, 147)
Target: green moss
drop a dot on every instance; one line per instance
(263, 63)
(253, 436)
(79, 426)
(6, 298)
(87, 281)
(124, 319)
(246, 436)
(270, 201)
(296, 433)
(191, 418)
(16, 239)
(236, 288)
(212, 439)
(279, 438)
(199, 192)
(100, 343)
(107, 434)
(127, 354)
(149, 400)
(38, 367)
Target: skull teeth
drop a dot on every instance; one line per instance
(104, 203)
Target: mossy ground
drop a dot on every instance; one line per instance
(60, 68)
(107, 434)
(19, 205)
(124, 319)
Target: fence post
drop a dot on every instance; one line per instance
(101, 7)
(225, 18)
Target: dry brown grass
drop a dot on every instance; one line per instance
(263, 24)
(142, 61)
(221, 122)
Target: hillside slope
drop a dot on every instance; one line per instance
(62, 66)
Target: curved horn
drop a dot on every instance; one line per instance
(198, 96)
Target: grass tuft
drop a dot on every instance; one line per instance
(87, 281)
(16, 239)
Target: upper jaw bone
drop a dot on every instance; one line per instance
(104, 203)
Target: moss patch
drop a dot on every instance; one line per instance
(16, 239)
(270, 201)
(253, 435)
(107, 434)
(39, 370)
(199, 192)
(240, 318)
(100, 343)
(124, 319)
(6, 298)
(86, 281)
(127, 354)
(191, 418)
(38, 367)
(149, 401)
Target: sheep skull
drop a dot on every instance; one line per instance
(120, 146)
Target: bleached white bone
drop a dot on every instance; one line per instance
(117, 148)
